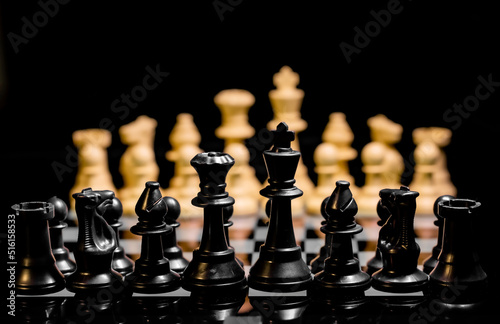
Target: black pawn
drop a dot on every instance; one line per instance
(384, 213)
(171, 250)
(458, 277)
(121, 262)
(227, 212)
(214, 266)
(432, 260)
(400, 252)
(56, 225)
(280, 265)
(152, 272)
(318, 263)
(36, 270)
(95, 246)
(342, 270)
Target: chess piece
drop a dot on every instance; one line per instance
(95, 246)
(241, 181)
(227, 212)
(458, 279)
(152, 272)
(213, 266)
(93, 169)
(384, 213)
(171, 250)
(121, 262)
(338, 133)
(138, 162)
(56, 225)
(327, 168)
(400, 252)
(342, 270)
(431, 261)
(382, 163)
(431, 177)
(36, 270)
(318, 263)
(286, 101)
(280, 264)
(184, 139)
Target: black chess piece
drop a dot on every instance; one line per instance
(400, 253)
(171, 250)
(121, 262)
(56, 225)
(432, 260)
(458, 280)
(95, 246)
(342, 270)
(318, 263)
(152, 272)
(227, 213)
(213, 266)
(280, 265)
(36, 270)
(384, 213)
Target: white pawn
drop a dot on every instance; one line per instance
(338, 133)
(431, 177)
(383, 165)
(93, 168)
(241, 181)
(184, 185)
(138, 163)
(327, 168)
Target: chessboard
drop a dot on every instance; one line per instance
(248, 233)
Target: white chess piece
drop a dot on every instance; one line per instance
(241, 181)
(382, 163)
(138, 162)
(286, 102)
(431, 177)
(93, 168)
(184, 185)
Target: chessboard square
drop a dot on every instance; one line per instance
(243, 246)
(313, 245)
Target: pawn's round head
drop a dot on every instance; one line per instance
(113, 211)
(173, 209)
(60, 209)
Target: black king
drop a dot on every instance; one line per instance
(280, 264)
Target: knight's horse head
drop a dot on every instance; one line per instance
(91, 205)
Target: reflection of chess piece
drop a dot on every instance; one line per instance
(241, 182)
(138, 163)
(286, 101)
(184, 139)
(431, 177)
(93, 169)
(382, 163)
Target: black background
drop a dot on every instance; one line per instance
(88, 54)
